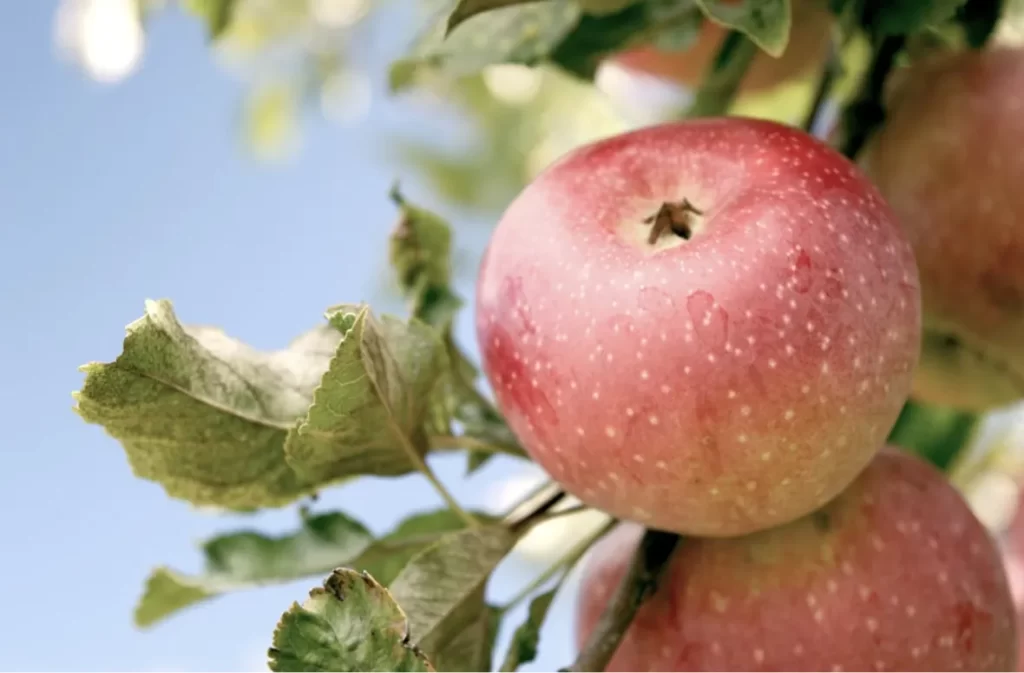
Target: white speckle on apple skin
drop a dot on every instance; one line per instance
(791, 298)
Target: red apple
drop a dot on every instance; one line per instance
(949, 162)
(721, 380)
(1013, 561)
(808, 41)
(896, 574)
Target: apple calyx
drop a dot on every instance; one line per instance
(672, 218)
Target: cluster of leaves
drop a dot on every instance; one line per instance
(217, 423)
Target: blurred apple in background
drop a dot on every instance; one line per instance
(948, 161)
(894, 574)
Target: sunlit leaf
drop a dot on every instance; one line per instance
(205, 415)
(368, 412)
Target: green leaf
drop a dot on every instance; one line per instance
(216, 13)
(247, 559)
(979, 20)
(765, 22)
(205, 415)
(523, 648)
(386, 558)
(476, 460)
(442, 587)
(473, 649)
(166, 593)
(598, 35)
(904, 17)
(420, 254)
(467, 8)
(678, 23)
(524, 34)
(368, 413)
(936, 434)
(352, 624)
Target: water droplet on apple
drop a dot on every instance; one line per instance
(656, 301)
(802, 273)
(710, 320)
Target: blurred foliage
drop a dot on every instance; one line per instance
(508, 79)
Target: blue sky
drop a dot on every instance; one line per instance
(111, 195)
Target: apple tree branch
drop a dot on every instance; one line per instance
(645, 571)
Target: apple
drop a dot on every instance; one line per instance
(895, 574)
(809, 37)
(735, 373)
(948, 161)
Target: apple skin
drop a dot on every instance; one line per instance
(895, 574)
(948, 160)
(1013, 560)
(711, 386)
(806, 50)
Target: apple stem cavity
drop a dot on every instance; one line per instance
(672, 218)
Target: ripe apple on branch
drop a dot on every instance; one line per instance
(707, 331)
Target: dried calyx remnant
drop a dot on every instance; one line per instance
(676, 218)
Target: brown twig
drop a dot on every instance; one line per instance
(645, 571)
(723, 76)
(536, 506)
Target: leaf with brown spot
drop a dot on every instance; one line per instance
(351, 624)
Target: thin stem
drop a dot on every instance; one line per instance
(542, 491)
(723, 77)
(522, 523)
(445, 494)
(565, 564)
(645, 571)
(828, 77)
(866, 112)
(568, 511)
